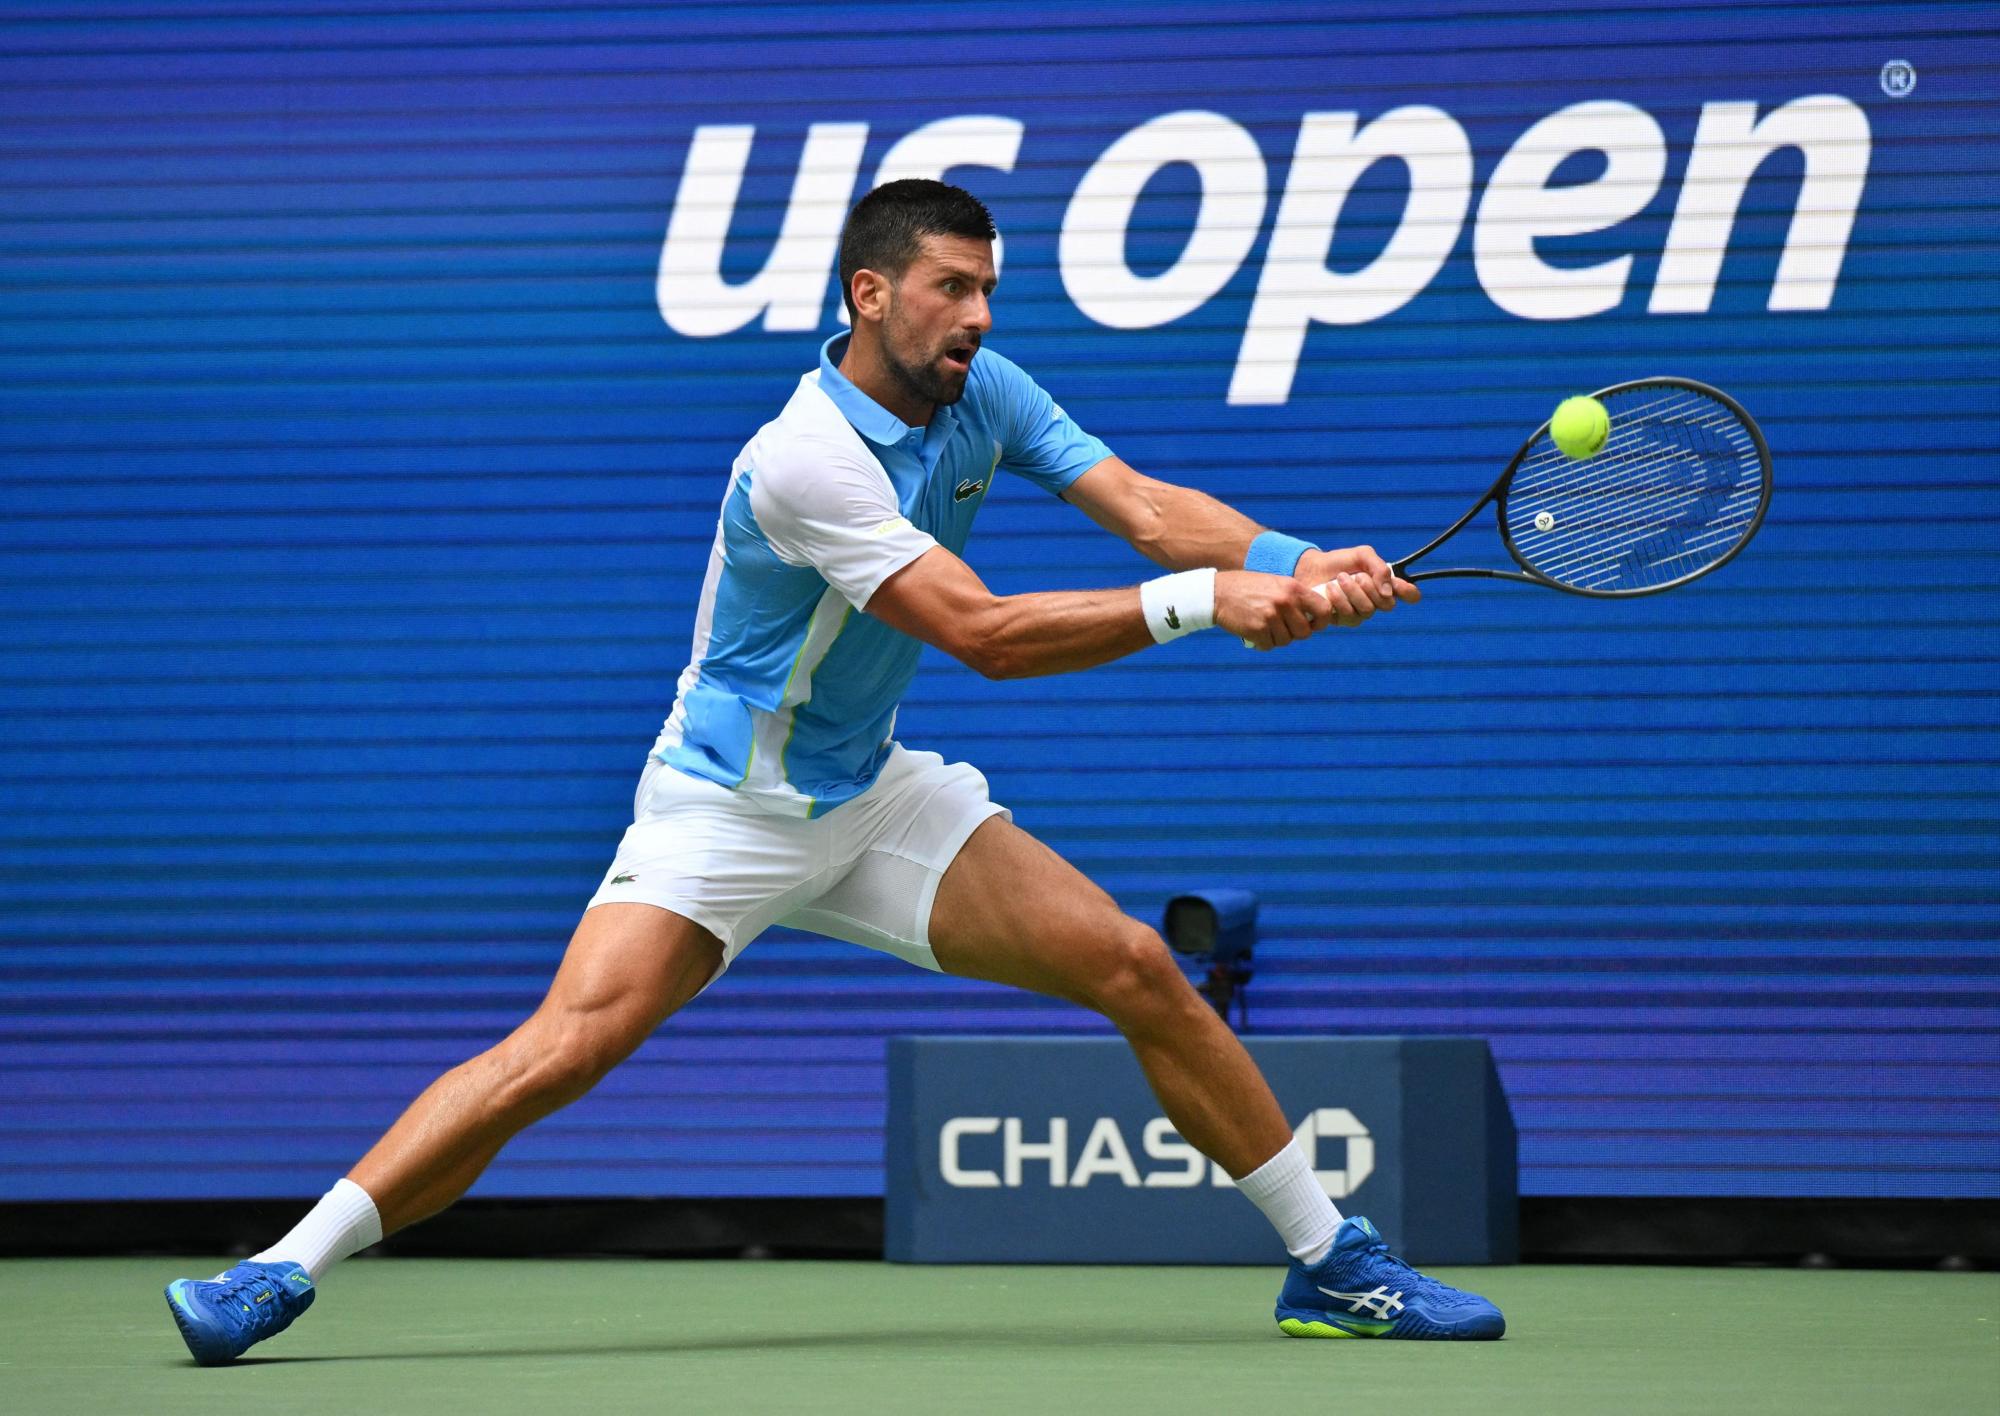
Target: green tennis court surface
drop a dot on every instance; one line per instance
(480, 1336)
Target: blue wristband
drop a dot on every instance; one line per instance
(1275, 553)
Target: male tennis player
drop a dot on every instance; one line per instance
(777, 793)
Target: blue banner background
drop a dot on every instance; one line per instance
(356, 498)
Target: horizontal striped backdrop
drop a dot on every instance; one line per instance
(359, 474)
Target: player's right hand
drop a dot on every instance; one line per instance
(1266, 611)
(1355, 595)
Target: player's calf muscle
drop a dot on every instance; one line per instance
(451, 1132)
(627, 968)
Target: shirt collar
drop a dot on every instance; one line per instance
(870, 419)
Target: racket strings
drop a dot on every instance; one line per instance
(1676, 487)
(1584, 498)
(1610, 483)
(1632, 508)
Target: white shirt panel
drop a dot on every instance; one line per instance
(821, 499)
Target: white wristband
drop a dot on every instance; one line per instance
(1179, 604)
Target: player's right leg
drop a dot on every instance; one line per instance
(627, 967)
(1010, 910)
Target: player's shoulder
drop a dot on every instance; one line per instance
(809, 433)
(1003, 392)
(808, 459)
(810, 414)
(993, 373)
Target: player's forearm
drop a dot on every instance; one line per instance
(1184, 529)
(1061, 631)
(1022, 636)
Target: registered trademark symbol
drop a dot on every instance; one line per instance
(1899, 77)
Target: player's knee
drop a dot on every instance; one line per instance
(1140, 978)
(557, 1059)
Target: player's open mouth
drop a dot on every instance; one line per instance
(959, 356)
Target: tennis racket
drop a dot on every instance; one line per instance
(1677, 491)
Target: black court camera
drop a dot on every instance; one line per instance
(1221, 927)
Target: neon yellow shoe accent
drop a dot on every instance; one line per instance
(1298, 1327)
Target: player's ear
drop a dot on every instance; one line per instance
(871, 295)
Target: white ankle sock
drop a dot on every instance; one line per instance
(1291, 1197)
(343, 1222)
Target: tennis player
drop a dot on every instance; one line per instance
(777, 793)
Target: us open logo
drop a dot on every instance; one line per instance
(1297, 285)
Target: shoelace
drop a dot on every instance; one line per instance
(250, 1282)
(1414, 1283)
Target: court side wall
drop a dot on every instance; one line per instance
(370, 384)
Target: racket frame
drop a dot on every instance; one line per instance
(1496, 496)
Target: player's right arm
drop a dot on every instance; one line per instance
(939, 599)
(822, 504)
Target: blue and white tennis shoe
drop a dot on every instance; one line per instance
(1360, 1289)
(220, 1318)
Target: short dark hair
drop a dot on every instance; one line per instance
(886, 229)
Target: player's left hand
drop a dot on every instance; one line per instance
(1315, 568)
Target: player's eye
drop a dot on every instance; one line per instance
(952, 287)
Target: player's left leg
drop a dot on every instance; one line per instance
(1010, 910)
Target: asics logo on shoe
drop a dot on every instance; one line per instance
(1380, 1304)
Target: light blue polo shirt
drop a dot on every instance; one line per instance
(790, 694)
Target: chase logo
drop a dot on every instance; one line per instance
(1321, 1134)
(967, 1161)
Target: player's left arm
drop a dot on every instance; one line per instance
(1176, 527)
(1184, 529)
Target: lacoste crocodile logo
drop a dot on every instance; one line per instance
(623, 879)
(1173, 620)
(967, 488)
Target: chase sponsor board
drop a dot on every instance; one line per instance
(1026, 1150)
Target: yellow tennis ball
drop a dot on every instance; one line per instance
(1580, 427)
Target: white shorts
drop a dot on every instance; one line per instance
(866, 872)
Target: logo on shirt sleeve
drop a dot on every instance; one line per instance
(894, 523)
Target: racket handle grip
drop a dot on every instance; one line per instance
(1321, 591)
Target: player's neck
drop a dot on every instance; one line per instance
(862, 365)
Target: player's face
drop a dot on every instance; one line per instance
(937, 317)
